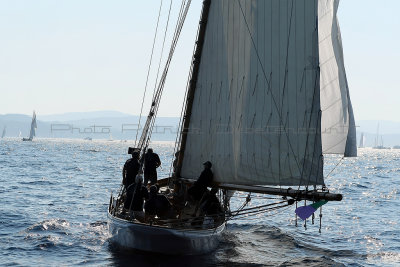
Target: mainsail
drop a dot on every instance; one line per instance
(4, 132)
(261, 86)
(33, 126)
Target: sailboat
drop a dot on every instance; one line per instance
(362, 141)
(3, 134)
(32, 133)
(267, 98)
(379, 140)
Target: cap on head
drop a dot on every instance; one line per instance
(132, 150)
(207, 164)
(150, 150)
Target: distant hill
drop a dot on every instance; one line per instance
(72, 116)
(99, 125)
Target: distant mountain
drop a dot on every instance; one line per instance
(100, 124)
(72, 116)
(97, 125)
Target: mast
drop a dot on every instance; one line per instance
(193, 81)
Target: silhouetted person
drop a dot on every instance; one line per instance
(211, 205)
(131, 169)
(205, 180)
(151, 163)
(157, 204)
(136, 193)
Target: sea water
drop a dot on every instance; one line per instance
(55, 193)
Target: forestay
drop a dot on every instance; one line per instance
(256, 109)
(338, 126)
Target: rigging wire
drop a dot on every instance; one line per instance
(148, 72)
(162, 49)
(181, 119)
(144, 140)
(337, 164)
(157, 97)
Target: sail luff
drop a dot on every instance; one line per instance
(193, 82)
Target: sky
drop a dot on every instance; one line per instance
(87, 55)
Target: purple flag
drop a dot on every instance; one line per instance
(306, 211)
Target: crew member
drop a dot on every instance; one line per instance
(135, 196)
(158, 205)
(131, 168)
(151, 163)
(205, 180)
(211, 206)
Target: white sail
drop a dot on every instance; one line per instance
(255, 112)
(33, 126)
(338, 126)
(362, 140)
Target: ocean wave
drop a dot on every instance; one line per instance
(75, 168)
(312, 261)
(50, 225)
(385, 257)
(46, 242)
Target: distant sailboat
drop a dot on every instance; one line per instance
(33, 128)
(4, 132)
(379, 140)
(20, 133)
(362, 141)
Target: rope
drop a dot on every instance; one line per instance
(340, 161)
(162, 49)
(148, 72)
(146, 135)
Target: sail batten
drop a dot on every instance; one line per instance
(256, 109)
